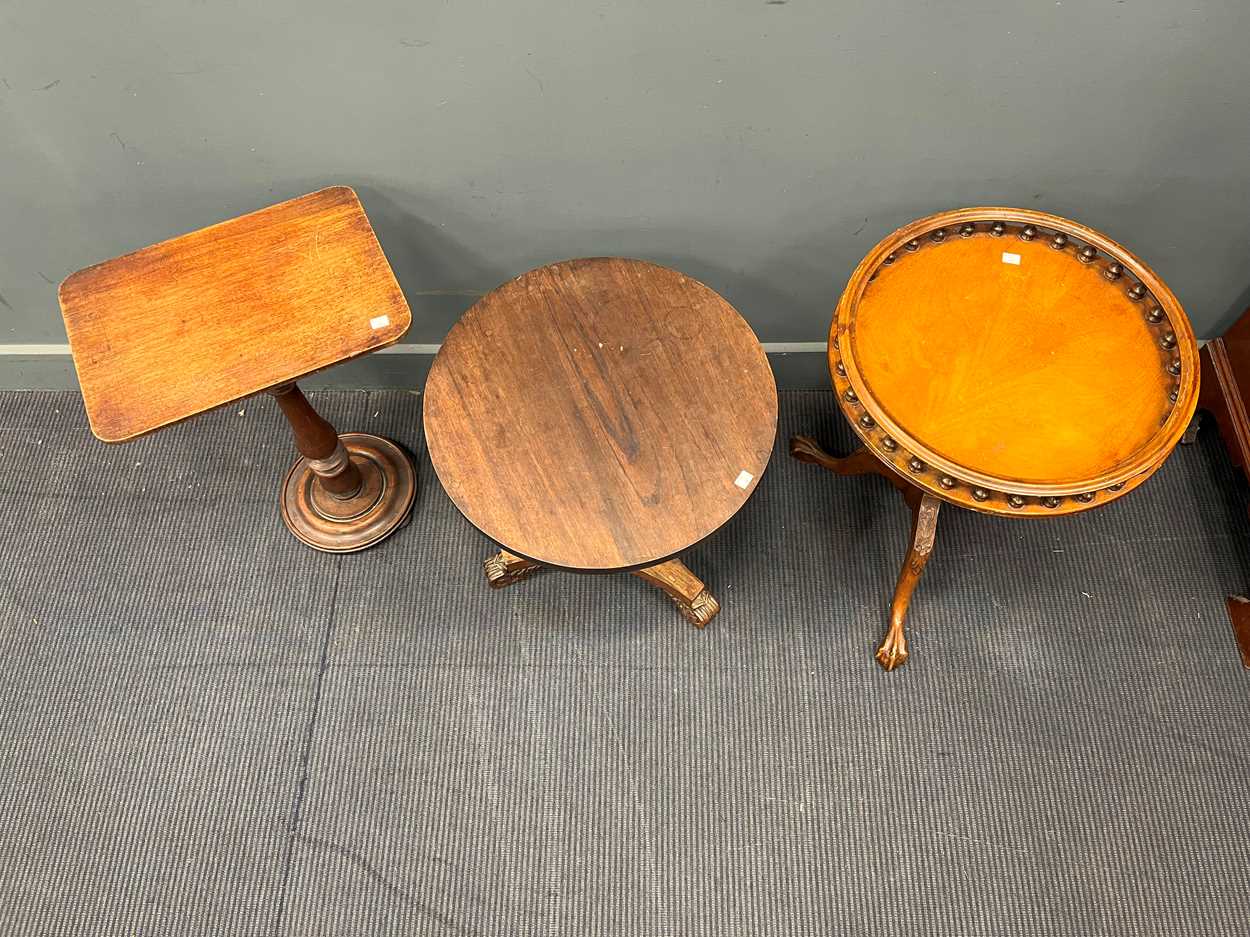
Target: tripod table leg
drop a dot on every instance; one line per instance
(504, 568)
(685, 589)
(924, 514)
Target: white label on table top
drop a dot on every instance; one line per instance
(1010, 258)
(743, 479)
(379, 322)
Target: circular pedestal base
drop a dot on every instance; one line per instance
(343, 525)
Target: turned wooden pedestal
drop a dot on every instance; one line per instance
(347, 492)
(1009, 362)
(249, 305)
(601, 415)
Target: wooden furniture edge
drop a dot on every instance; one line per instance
(843, 370)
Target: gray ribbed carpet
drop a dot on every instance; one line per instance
(206, 728)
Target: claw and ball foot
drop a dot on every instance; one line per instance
(504, 568)
(924, 514)
(686, 590)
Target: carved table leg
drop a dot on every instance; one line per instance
(345, 492)
(684, 588)
(504, 568)
(859, 462)
(924, 514)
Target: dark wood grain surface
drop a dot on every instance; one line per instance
(1225, 391)
(203, 319)
(600, 414)
(1225, 395)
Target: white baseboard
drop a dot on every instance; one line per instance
(25, 350)
(34, 366)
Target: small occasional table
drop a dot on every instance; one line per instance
(1008, 361)
(250, 305)
(601, 415)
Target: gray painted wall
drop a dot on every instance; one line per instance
(762, 147)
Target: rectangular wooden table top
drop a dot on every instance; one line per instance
(221, 313)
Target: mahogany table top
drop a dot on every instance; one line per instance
(210, 317)
(600, 414)
(1013, 361)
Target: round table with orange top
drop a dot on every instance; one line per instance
(1008, 361)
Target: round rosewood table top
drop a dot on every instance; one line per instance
(1013, 361)
(600, 414)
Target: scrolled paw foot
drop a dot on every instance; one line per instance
(502, 571)
(699, 611)
(892, 652)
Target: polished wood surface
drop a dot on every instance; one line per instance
(317, 441)
(1013, 362)
(1039, 372)
(1225, 393)
(600, 414)
(203, 319)
(1225, 397)
(1008, 361)
(1239, 616)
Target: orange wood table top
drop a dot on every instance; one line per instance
(600, 414)
(1012, 361)
(1008, 361)
(210, 317)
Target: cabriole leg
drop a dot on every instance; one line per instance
(924, 514)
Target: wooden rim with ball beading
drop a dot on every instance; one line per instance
(924, 467)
